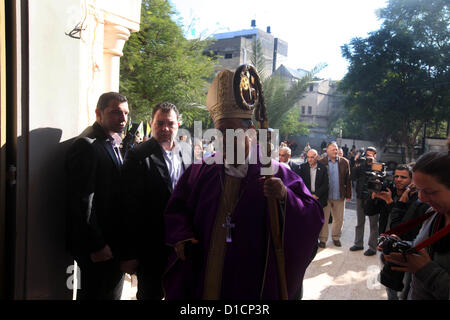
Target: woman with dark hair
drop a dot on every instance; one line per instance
(430, 266)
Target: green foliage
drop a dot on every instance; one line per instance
(281, 98)
(257, 58)
(292, 125)
(196, 112)
(160, 64)
(398, 77)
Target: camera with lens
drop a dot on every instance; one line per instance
(388, 277)
(376, 178)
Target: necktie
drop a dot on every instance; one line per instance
(119, 159)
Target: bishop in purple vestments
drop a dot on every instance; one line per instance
(218, 224)
(249, 270)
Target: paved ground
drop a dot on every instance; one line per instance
(335, 274)
(129, 288)
(340, 274)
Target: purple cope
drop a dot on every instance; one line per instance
(249, 269)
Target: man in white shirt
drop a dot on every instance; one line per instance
(150, 173)
(315, 177)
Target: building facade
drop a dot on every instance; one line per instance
(235, 48)
(321, 100)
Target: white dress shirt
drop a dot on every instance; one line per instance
(312, 173)
(174, 164)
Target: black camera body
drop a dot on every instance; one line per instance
(390, 244)
(376, 181)
(363, 161)
(375, 175)
(388, 277)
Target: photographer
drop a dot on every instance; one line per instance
(365, 205)
(429, 262)
(401, 205)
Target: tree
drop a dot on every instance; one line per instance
(160, 64)
(257, 58)
(281, 97)
(291, 124)
(398, 78)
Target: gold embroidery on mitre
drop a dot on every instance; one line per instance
(220, 100)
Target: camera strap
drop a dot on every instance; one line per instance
(435, 237)
(404, 227)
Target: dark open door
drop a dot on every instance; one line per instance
(3, 148)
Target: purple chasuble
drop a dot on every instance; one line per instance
(249, 270)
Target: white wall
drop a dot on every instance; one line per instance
(55, 66)
(55, 107)
(66, 78)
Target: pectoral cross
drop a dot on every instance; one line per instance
(228, 225)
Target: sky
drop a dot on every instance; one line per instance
(314, 29)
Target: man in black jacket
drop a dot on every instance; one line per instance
(365, 204)
(93, 174)
(149, 175)
(313, 171)
(315, 177)
(399, 206)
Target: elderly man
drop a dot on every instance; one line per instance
(340, 190)
(315, 176)
(285, 159)
(216, 219)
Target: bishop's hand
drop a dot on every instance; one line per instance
(180, 247)
(274, 188)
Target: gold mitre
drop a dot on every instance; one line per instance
(221, 102)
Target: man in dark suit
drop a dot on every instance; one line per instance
(149, 175)
(284, 157)
(313, 171)
(93, 173)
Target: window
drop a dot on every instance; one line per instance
(309, 110)
(228, 55)
(303, 109)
